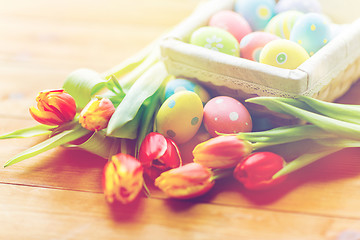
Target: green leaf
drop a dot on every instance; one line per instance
(81, 85)
(48, 144)
(341, 128)
(148, 118)
(28, 132)
(143, 88)
(99, 144)
(131, 128)
(345, 112)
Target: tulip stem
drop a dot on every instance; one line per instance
(222, 173)
(146, 190)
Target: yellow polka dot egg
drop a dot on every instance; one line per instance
(312, 31)
(180, 116)
(283, 53)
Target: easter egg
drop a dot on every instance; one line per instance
(232, 22)
(180, 116)
(257, 12)
(252, 44)
(305, 6)
(225, 114)
(282, 24)
(283, 53)
(180, 84)
(216, 39)
(312, 32)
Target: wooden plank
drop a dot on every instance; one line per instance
(328, 187)
(60, 214)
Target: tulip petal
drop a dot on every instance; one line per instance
(45, 117)
(153, 147)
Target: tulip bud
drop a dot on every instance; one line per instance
(54, 107)
(122, 178)
(256, 170)
(158, 154)
(221, 152)
(96, 114)
(188, 181)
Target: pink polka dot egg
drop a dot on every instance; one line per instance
(232, 22)
(225, 114)
(252, 44)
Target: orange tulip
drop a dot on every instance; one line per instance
(54, 107)
(221, 152)
(96, 114)
(188, 181)
(122, 178)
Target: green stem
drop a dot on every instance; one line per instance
(303, 161)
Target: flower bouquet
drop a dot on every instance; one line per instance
(115, 116)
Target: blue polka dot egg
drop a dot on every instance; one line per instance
(180, 116)
(312, 31)
(257, 12)
(180, 84)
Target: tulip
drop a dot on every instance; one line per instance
(122, 178)
(188, 181)
(256, 170)
(158, 154)
(96, 114)
(221, 152)
(54, 107)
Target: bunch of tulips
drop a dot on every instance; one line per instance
(114, 119)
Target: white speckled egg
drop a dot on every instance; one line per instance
(282, 24)
(181, 84)
(216, 39)
(304, 6)
(283, 53)
(225, 114)
(252, 44)
(257, 12)
(312, 31)
(232, 22)
(180, 116)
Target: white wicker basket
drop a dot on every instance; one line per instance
(327, 75)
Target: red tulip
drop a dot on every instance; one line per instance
(96, 114)
(188, 181)
(158, 154)
(54, 107)
(221, 152)
(256, 170)
(122, 178)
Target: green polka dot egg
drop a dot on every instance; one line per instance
(312, 31)
(216, 39)
(180, 116)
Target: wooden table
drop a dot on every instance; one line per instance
(57, 195)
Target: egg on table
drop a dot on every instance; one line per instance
(304, 6)
(282, 24)
(225, 114)
(216, 39)
(182, 84)
(283, 53)
(180, 116)
(232, 22)
(252, 44)
(312, 31)
(257, 12)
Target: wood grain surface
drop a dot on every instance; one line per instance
(57, 194)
